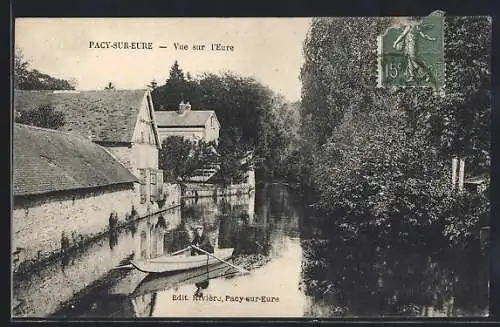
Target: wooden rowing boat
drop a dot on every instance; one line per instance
(179, 262)
(153, 283)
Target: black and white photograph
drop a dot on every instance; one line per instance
(307, 167)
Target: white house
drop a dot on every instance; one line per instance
(192, 124)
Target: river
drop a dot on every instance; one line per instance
(300, 265)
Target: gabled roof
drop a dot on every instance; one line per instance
(47, 161)
(190, 118)
(107, 115)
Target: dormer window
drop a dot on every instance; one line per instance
(212, 122)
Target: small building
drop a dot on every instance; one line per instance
(122, 121)
(64, 186)
(192, 124)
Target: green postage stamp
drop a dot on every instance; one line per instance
(411, 52)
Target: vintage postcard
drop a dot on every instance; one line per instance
(321, 167)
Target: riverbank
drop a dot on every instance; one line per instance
(291, 254)
(42, 289)
(83, 242)
(198, 190)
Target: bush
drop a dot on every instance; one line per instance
(43, 116)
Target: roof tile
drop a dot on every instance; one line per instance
(188, 118)
(108, 115)
(47, 160)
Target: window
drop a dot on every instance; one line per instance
(143, 179)
(212, 121)
(142, 137)
(156, 184)
(152, 185)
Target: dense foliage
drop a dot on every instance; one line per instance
(381, 158)
(369, 274)
(252, 117)
(43, 116)
(26, 78)
(179, 157)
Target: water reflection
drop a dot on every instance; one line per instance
(313, 266)
(372, 275)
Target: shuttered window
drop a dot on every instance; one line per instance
(156, 184)
(152, 186)
(143, 175)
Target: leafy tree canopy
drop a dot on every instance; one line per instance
(252, 117)
(26, 78)
(379, 156)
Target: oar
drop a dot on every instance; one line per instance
(124, 267)
(180, 251)
(241, 269)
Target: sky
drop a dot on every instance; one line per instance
(268, 49)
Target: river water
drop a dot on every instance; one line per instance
(300, 265)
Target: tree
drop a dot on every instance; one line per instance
(174, 156)
(180, 157)
(32, 79)
(176, 73)
(459, 122)
(177, 88)
(339, 71)
(252, 116)
(278, 132)
(110, 86)
(239, 103)
(43, 116)
(379, 157)
(230, 155)
(21, 66)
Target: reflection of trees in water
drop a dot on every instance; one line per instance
(132, 227)
(176, 239)
(234, 206)
(369, 274)
(121, 306)
(472, 276)
(203, 212)
(244, 222)
(280, 203)
(252, 235)
(192, 211)
(113, 238)
(234, 232)
(262, 203)
(144, 305)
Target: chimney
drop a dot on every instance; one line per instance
(182, 108)
(187, 106)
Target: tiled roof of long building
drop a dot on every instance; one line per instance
(48, 160)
